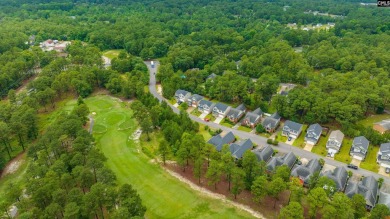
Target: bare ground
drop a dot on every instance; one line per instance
(12, 166)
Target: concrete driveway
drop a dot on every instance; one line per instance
(190, 109)
(203, 115)
(176, 105)
(218, 120)
(291, 141)
(382, 171)
(308, 147)
(355, 162)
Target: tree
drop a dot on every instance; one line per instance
(228, 166)
(296, 190)
(380, 211)
(282, 172)
(260, 128)
(4, 137)
(259, 188)
(214, 173)
(12, 96)
(317, 198)
(198, 164)
(327, 184)
(276, 186)
(237, 180)
(293, 210)
(250, 166)
(82, 112)
(359, 206)
(163, 149)
(314, 179)
(146, 126)
(343, 205)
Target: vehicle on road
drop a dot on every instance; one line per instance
(152, 64)
(206, 119)
(387, 170)
(352, 166)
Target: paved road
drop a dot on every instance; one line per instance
(259, 140)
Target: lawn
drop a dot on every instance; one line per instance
(14, 178)
(196, 112)
(202, 130)
(244, 128)
(373, 119)
(210, 117)
(163, 195)
(370, 162)
(281, 138)
(226, 122)
(320, 147)
(343, 155)
(112, 53)
(300, 141)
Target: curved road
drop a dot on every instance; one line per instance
(259, 140)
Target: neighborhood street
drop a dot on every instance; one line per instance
(259, 140)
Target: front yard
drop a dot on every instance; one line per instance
(244, 128)
(227, 123)
(320, 147)
(370, 162)
(281, 138)
(300, 141)
(196, 112)
(210, 117)
(343, 155)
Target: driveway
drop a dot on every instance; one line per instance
(355, 162)
(176, 105)
(382, 171)
(327, 167)
(218, 120)
(203, 115)
(291, 141)
(308, 147)
(190, 109)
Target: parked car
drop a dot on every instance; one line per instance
(387, 170)
(206, 119)
(352, 166)
(179, 102)
(289, 138)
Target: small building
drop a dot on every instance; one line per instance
(252, 118)
(383, 158)
(211, 77)
(287, 159)
(235, 114)
(339, 176)
(382, 126)
(194, 100)
(220, 110)
(292, 129)
(305, 172)
(334, 142)
(270, 123)
(182, 96)
(368, 188)
(238, 149)
(205, 106)
(219, 141)
(384, 199)
(359, 148)
(313, 134)
(264, 153)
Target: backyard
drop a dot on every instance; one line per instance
(112, 53)
(369, 121)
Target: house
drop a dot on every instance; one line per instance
(219, 141)
(339, 176)
(359, 148)
(305, 172)
(182, 96)
(220, 110)
(383, 158)
(287, 159)
(205, 106)
(313, 134)
(292, 129)
(211, 77)
(252, 118)
(384, 199)
(264, 153)
(382, 126)
(368, 188)
(194, 100)
(334, 142)
(238, 149)
(270, 123)
(235, 114)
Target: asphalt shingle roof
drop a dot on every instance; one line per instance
(339, 176)
(368, 187)
(264, 154)
(218, 141)
(222, 107)
(361, 141)
(292, 125)
(239, 148)
(305, 172)
(288, 159)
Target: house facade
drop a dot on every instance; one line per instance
(182, 96)
(368, 188)
(235, 114)
(271, 123)
(205, 106)
(252, 118)
(313, 134)
(383, 158)
(194, 100)
(292, 129)
(220, 110)
(359, 148)
(382, 126)
(334, 142)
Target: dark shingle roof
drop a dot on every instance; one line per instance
(271, 121)
(206, 102)
(275, 116)
(212, 76)
(264, 154)
(339, 176)
(218, 141)
(236, 112)
(305, 172)
(239, 148)
(196, 97)
(315, 128)
(222, 107)
(252, 117)
(361, 141)
(385, 148)
(288, 159)
(368, 187)
(384, 198)
(183, 92)
(241, 107)
(292, 125)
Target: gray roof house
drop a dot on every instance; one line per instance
(382, 126)
(182, 95)
(220, 110)
(334, 142)
(339, 176)
(252, 118)
(264, 153)
(194, 100)
(292, 129)
(368, 188)
(205, 106)
(287, 159)
(218, 141)
(305, 172)
(235, 114)
(313, 134)
(270, 123)
(238, 149)
(359, 148)
(383, 157)
(384, 198)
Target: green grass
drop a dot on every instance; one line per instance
(300, 141)
(172, 101)
(226, 122)
(244, 128)
(163, 195)
(14, 178)
(370, 162)
(210, 117)
(266, 135)
(196, 112)
(281, 138)
(112, 53)
(343, 155)
(373, 119)
(320, 147)
(206, 134)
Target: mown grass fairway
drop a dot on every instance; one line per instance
(163, 195)
(112, 53)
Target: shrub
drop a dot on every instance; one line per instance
(260, 128)
(206, 127)
(269, 141)
(275, 142)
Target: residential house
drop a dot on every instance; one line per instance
(334, 142)
(182, 96)
(220, 110)
(339, 176)
(270, 123)
(382, 126)
(287, 159)
(252, 118)
(384, 198)
(304, 172)
(313, 134)
(205, 106)
(264, 153)
(235, 114)
(359, 148)
(194, 100)
(238, 149)
(292, 129)
(218, 141)
(368, 188)
(383, 158)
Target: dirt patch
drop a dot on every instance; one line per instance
(12, 165)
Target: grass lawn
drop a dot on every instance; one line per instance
(210, 117)
(244, 128)
(163, 195)
(14, 178)
(172, 101)
(281, 138)
(370, 162)
(343, 155)
(196, 112)
(373, 119)
(206, 134)
(300, 141)
(320, 147)
(226, 122)
(265, 134)
(112, 53)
